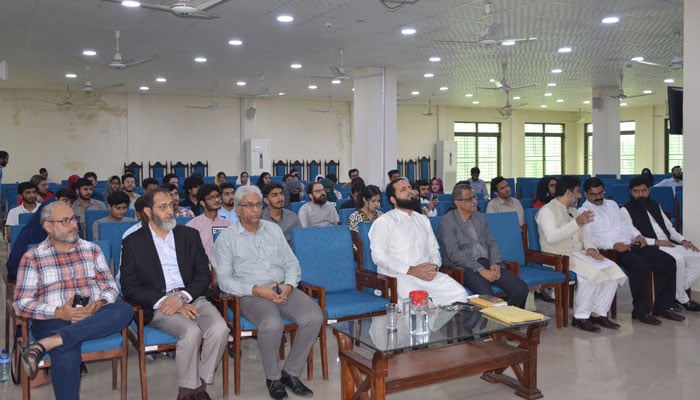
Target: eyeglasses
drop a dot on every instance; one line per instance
(470, 198)
(67, 221)
(251, 206)
(317, 191)
(165, 206)
(212, 197)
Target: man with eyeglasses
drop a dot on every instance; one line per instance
(469, 245)
(611, 230)
(208, 221)
(165, 270)
(318, 212)
(50, 275)
(118, 203)
(253, 260)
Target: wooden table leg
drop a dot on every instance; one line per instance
(347, 386)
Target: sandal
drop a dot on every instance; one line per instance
(31, 356)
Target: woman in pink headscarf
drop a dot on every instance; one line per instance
(436, 186)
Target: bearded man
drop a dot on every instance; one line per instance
(318, 212)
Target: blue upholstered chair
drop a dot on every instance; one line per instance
(664, 196)
(24, 218)
(344, 214)
(336, 282)
(112, 232)
(295, 206)
(506, 230)
(183, 220)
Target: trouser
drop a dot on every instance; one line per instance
(593, 298)
(515, 289)
(211, 327)
(443, 290)
(65, 359)
(267, 316)
(687, 270)
(638, 264)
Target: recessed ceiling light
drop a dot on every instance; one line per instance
(508, 43)
(434, 59)
(353, 89)
(557, 71)
(560, 100)
(543, 106)
(295, 66)
(281, 94)
(241, 83)
(586, 102)
(516, 97)
(623, 104)
(71, 75)
(611, 20)
(428, 75)
(647, 91)
(285, 18)
(668, 80)
(469, 95)
(415, 93)
(551, 84)
(492, 80)
(547, 95)
(313, 87)
(565, 49)
(144, 88)
(336, 81)
(200, 59)
(476, 102)
(131, 3)
(408, 31)
(161, 79)
(443, 88)
(637, 58)
(89, 52)
(235, 42)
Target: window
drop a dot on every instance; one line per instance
(674, 147)
(478, 145)
(627, 154)
(544, 149)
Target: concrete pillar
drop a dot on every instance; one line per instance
(606, 131)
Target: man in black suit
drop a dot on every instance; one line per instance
(166, 271)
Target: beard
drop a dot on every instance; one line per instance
(162, 224)
(641, 202)
(320, 200)
(70, 236)
(408, 204)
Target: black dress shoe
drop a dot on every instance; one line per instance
(668, 314)
(295, 384)
(646, 319)
(202, 396)
(544, 296)
(83, 369)
(276, 389)
(584, 324)
(604, 322)
(690, 305)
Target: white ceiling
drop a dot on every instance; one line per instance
(43, 39)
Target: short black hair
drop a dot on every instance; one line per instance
(227, 185)
(169, 187)
(591, 183)
(128, 175)
(117, 198)
(193, 182)
(148, 197)
(270, 187)
(392, 172)
(115, 177)
(495, 181)
(639, 180)
(566, 182)
(332, 177)
(206, 190)
(90, 175)
(168, 177)
(420, 182)
(25, 186)
(140, 204)
(81, 183)
(3, 154)
(221, 173)
(65, 192)
(149, 181)
(351, 171)
(391, 190)
(43, 170)
(357, 185)
(475, 170)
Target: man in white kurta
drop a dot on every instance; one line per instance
(404, 247)
(561, 231)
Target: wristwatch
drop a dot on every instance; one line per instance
(182, 297)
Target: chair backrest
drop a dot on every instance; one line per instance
(295, 206)
(90, 217)
(24, 218)
(505, 228)
(112, 232)
(106, 248)
(183, 220)
(325, 256)
(664, 196)
(14, 232)
(527, 203)
(367, 262)
(435, 224)
(533, 236)
(619, 192)
(443, 207)
(344, 214)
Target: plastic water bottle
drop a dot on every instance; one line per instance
(418, 321)
(4, 366)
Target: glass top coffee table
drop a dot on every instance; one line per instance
(460, 343)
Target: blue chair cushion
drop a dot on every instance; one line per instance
(540, 275)
(350, 302)
(154, 336)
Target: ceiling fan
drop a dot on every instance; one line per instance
(507, 110)
(329, 110)
(503, 83)
(621, 93)
(676, 62)
(88, 88)
(212, 106)
(492, 33)
(66, 103)
(118, 62)
(339, 72)
(182, 8)
(430, 110)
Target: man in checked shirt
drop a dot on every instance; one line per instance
(49, 277)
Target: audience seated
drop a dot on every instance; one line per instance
(545, 191)
(352, 174)
(368, 208)
(478, 185)
(357, 187)
(273, 195)
(129, 187)
(318, 212)
(227, 210)
(502, 201)
(117, 203)
(428, 201)
(84, 190)
(192, 185)
(114, 185)
(209, 220)
(27, 191)
(92, 177)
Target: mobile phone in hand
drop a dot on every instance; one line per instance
(277, 288)
(80, 301)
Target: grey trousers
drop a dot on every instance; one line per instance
(211, 327)
(267, 316)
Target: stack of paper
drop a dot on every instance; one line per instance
(512, 314)
(484, 300)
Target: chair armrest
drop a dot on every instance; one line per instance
(558, 261)
(455, 273)
(375, 280)
(315, 292)
(513, 267)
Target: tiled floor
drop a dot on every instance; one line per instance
(637, 362)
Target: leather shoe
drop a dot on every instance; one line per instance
(276, 389)
(690, 305)
(544, 296)
(584, 324)
(668, 314)
(190, 396)
(646, 319)
(604, 322)
(202, 396)
(295, 384)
